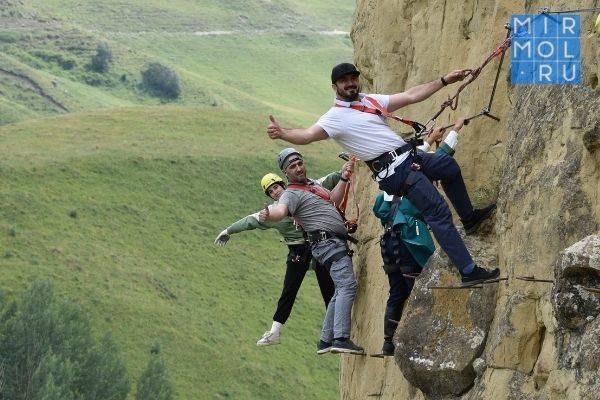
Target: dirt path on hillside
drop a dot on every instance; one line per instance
(34, 86)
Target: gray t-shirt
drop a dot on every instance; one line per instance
(312, 212)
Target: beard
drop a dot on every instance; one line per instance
(298, 178)
(349, 93)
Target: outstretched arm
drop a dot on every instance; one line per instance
(245, 224)
(421, 92)
(295, 136)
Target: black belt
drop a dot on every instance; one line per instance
(381, 162)
(317, 236)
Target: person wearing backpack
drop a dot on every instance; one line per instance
(406, 243)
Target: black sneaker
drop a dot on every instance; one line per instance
(479, 215)
(346, 346)
(388, 348)
(479, 275)
(323, 347)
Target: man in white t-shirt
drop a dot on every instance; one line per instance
(357, 122)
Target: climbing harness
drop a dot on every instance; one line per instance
(378, 164)
(324, 194)
(378, 109)
(314, 189)
(393, 249)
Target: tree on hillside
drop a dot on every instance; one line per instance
(53, 379)
(161, 80)
(154, 384)
(47, 352)
(102, 59)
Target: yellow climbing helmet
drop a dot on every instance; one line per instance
(270, 179)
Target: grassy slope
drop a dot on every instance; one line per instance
(120, 208)
(202, 15)
(285, 73)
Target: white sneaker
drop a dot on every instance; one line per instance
(268, 339)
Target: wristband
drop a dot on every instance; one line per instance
(443, 81)
(344, 179)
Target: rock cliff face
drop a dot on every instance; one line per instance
(541, 163)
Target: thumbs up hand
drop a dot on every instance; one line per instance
(263, 215)
(274, 130)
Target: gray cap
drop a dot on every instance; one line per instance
(284, 159)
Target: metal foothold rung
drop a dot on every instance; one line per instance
(456, 287)
(492, 117)
(533, 279)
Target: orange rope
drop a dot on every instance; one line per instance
(351, 224)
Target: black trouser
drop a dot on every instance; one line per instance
(400, 288)
(298, 262)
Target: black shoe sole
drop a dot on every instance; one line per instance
(472, 229)
(476, 281)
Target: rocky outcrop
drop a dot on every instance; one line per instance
(445, 330)
(540, 163)
(576, 293)
(576, 302)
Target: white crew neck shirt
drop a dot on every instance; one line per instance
(363, 134)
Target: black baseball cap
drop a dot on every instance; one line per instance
(343, 69)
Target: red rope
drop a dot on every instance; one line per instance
(452, 102)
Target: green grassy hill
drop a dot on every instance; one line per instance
(263, 56)
(119, 209)
(116, 196)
